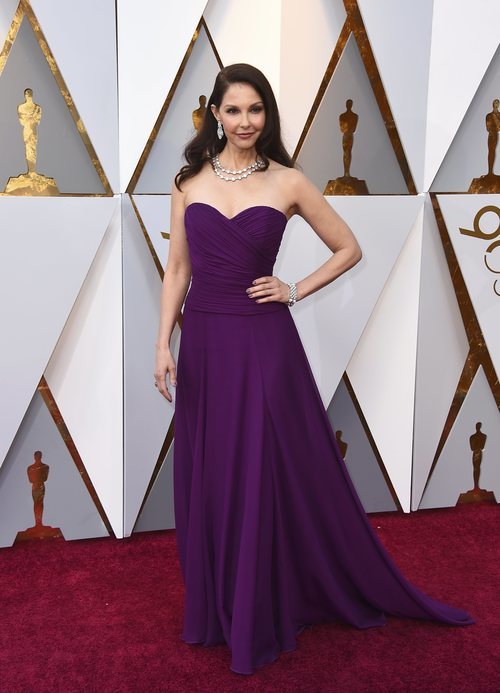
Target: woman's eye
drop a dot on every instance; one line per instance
(254, 109)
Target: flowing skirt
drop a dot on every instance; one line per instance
(270, 531)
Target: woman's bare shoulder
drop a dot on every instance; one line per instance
(281, 170)
(290, 171)
(291, 177)
(191, 186)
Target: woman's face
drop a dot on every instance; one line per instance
(242, 114)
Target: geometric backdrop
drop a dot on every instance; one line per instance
(97, 101)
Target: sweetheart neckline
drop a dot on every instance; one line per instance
(247, 209)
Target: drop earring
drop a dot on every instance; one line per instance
(220, 131)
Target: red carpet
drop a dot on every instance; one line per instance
(105, 615)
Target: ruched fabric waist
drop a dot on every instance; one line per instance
(226, 297)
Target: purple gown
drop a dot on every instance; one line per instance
(270, 531)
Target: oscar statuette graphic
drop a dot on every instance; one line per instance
(38, 473)
(490, 183)
(341, 443)
(199, 113)
(477, 495)
(346, 184)
(31, 182)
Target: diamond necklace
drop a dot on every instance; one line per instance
(235, 175)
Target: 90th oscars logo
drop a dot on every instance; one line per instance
(489, 258)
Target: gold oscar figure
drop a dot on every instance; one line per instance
(490, 183)
(199, 113)
(38, 473)
(346, 184)
(477, 443)
(30, 183)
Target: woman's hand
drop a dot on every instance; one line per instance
(165, 363)
(267, 289)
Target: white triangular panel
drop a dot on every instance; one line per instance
(90, 75)
(382, 369)
(145, 409)
(459, 212)
(453, 473)
(85, 374)
(457, 65)
(7, 11)
(315, 26)
(441, 353)
(400, 37)
(47, 246)
(330, 322)
(155, 215)
(247, 35)
(152, 40)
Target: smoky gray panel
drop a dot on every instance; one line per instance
(147, 413)
(67, 502)
(61, 152)
(158, 512)
(373, 158)
(360, 459)
(453, 473)
(165, 158)
(467, 157)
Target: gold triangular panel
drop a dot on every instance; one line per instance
(478, 356)
(466, 286)
(473, 227)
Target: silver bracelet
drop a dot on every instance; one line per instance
(292, 299)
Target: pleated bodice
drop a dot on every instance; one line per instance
(228, 254)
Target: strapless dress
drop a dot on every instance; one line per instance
(270, 532)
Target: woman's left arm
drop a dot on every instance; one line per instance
(333, 231)
(310, 204)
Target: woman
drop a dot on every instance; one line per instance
(270, 531)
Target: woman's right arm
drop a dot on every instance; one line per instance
(175, 285)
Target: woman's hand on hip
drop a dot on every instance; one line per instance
(165, 363)
(265, 289)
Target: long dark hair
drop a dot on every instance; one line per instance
(205, 144)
